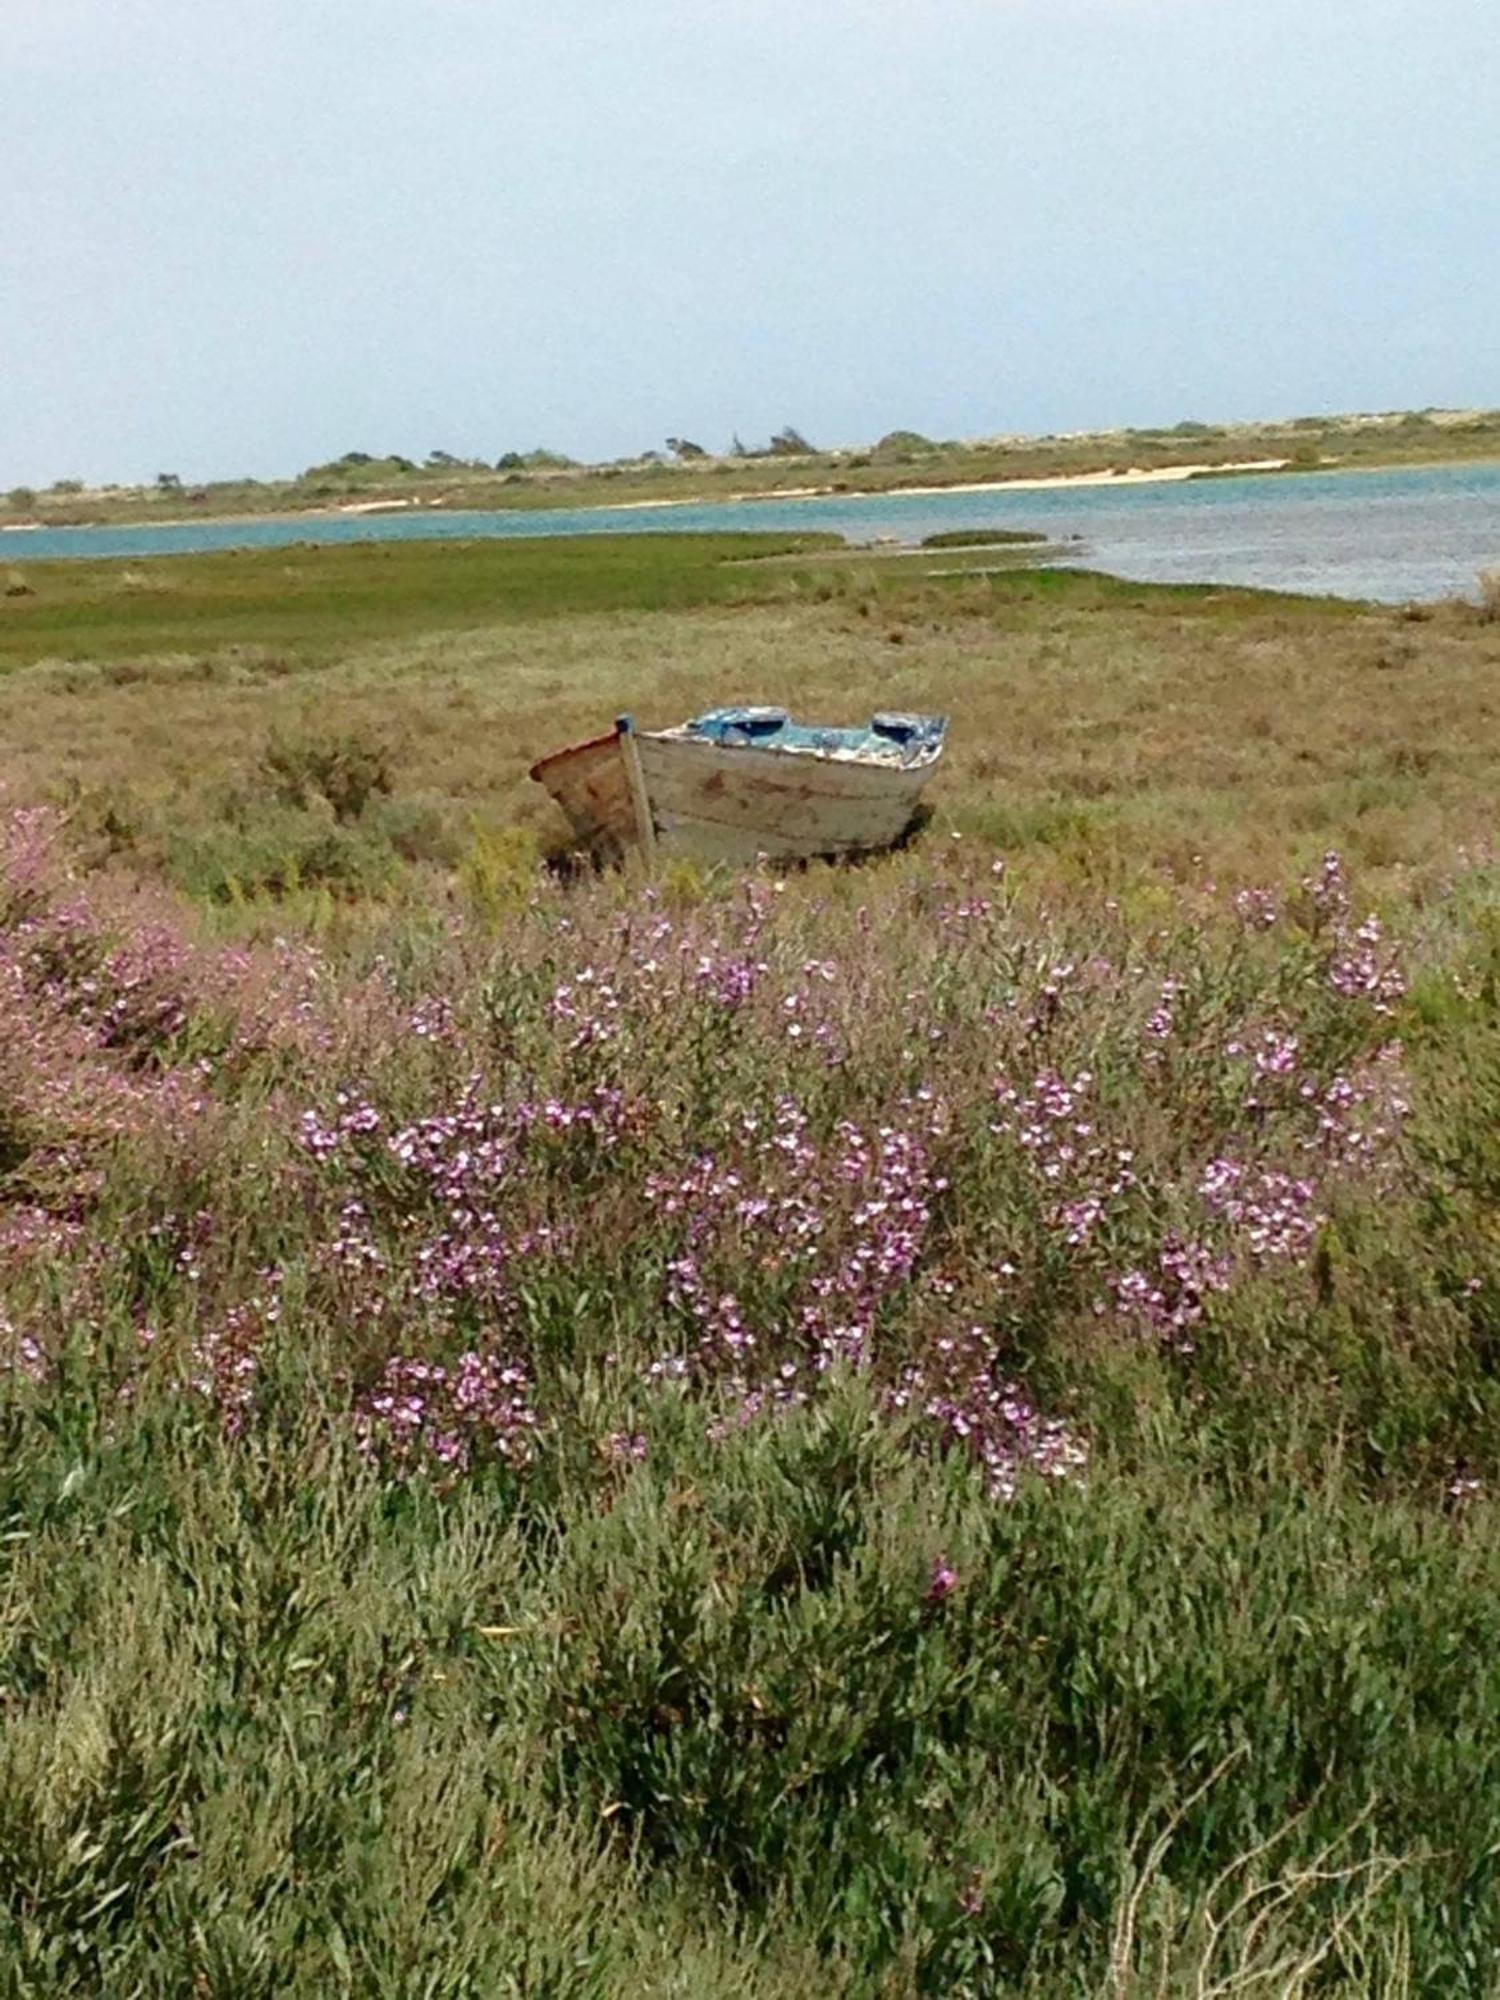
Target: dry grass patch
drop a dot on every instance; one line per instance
(1110, 727)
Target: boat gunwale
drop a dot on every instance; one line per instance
(572, 750)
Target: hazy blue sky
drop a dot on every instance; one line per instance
(245, 235)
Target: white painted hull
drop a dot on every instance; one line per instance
(732, 803)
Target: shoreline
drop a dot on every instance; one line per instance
(416, 508)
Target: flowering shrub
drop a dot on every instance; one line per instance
(855, 1381)
(746, 1149)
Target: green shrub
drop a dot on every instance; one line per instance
(346, 771)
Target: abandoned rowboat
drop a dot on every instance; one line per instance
(744, 782)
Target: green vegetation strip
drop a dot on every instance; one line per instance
(328, 597)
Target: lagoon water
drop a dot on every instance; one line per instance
(1413, 533)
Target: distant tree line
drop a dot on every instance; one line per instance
(391, 464)
(788, 442)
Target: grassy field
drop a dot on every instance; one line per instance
(902, 459)
(924, 1429)
(1102, 728)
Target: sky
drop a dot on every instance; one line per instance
(239, 237)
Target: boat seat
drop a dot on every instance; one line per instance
(897, 728)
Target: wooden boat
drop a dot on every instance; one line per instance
(740, 783)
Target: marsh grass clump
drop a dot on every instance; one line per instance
(877, 1428)
(982, 538)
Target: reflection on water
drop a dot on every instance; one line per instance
(1416, 533)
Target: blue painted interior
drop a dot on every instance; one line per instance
(885, 736)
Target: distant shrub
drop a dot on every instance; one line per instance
(1489, 596)
(417, 830)
(897, 447)
(21, 498)
(540, 460)
(355, 471)
(345, 772)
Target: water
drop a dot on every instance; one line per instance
(1419, 533)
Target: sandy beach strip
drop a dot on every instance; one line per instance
(1162, 475)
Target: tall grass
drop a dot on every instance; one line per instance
(875, 1432)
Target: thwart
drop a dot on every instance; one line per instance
(739, 783)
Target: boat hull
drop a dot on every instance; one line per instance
(731, 803)
(721, 802)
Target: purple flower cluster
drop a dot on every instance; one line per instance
(1171, 1300)
(21, 1353)
(834, 1234)
(1328, 891)
(1364, 968)
(1256, 909)
(1360, 964)
(962, 1400)
(729, 979)
(424, 1417)
(1053, 1123)
(430, 1213)
(225, 1358)
(1162, 1019)
(1275, 1215)
(1360, 1113)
